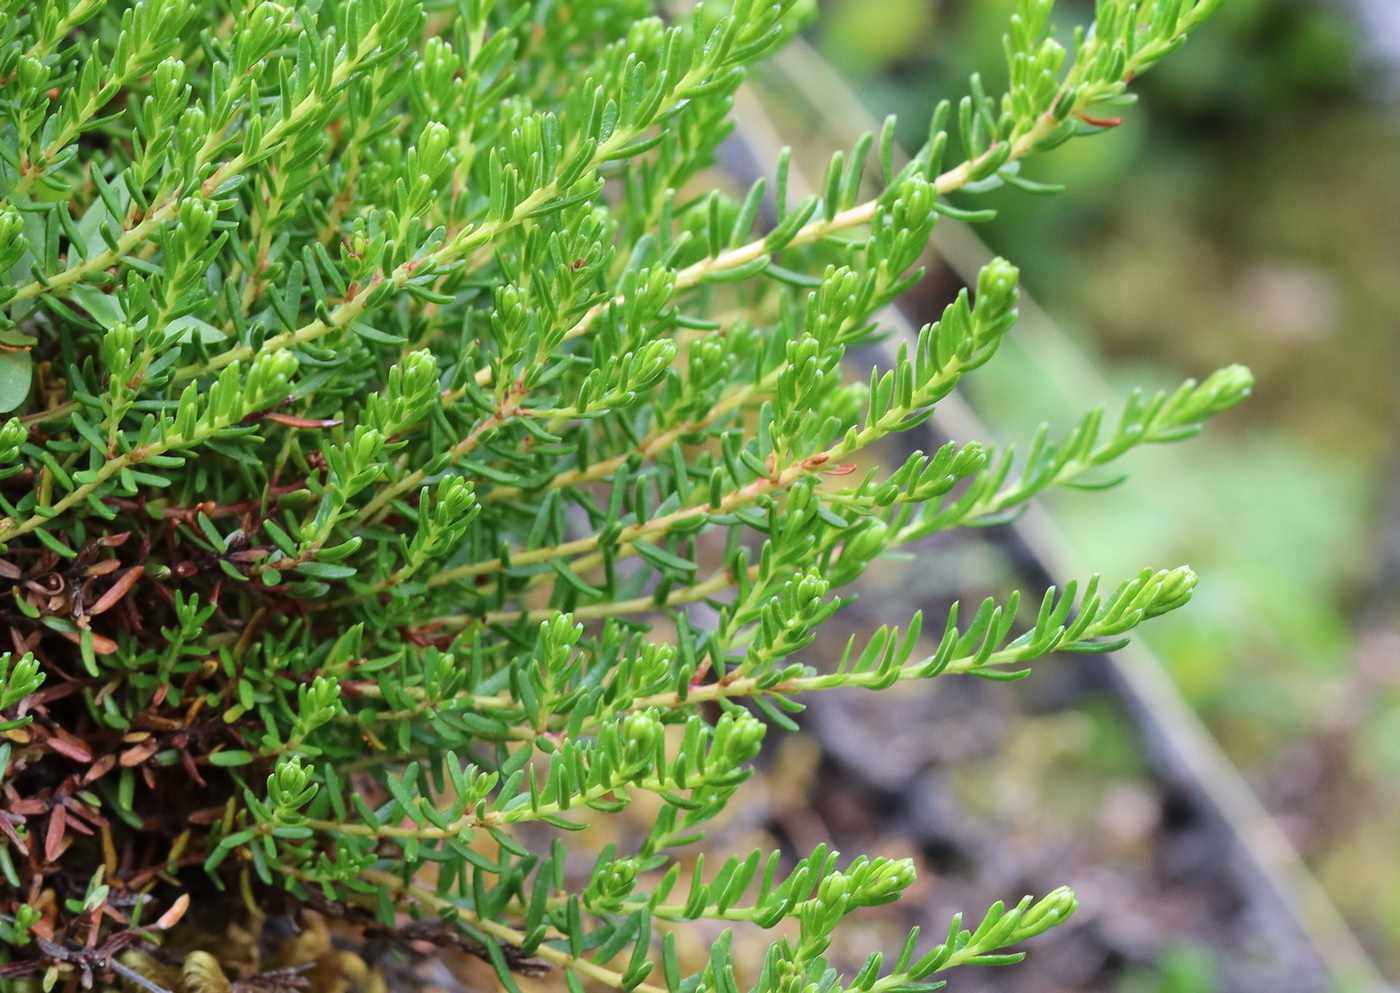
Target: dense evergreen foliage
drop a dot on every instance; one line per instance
(386, 384)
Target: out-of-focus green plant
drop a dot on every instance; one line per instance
(377, 386)
(1184, 969)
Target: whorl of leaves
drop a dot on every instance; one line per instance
(380, 373)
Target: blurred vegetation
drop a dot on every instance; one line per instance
(1248, 212)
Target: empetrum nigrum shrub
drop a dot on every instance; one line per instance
(385, 383)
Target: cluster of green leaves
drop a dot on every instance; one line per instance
(392, 380)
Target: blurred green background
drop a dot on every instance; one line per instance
(1247, 210)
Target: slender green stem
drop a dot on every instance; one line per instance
(722, 580)
(496, 929)
(780, 480)
(495, 818)
(692, 275)
(469, 240)
(11, 529)
(170, 206)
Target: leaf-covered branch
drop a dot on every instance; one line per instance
(384, 387)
